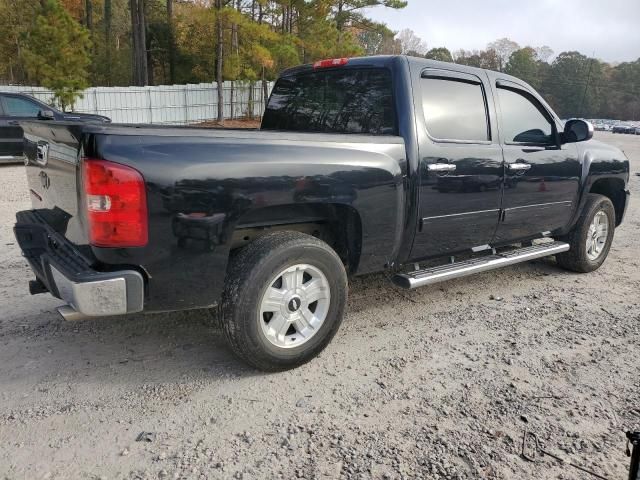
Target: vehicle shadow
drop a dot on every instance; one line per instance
(173, 347)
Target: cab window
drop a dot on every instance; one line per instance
(19, 107)
(455, 110)
(523, 119)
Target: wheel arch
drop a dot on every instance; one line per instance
(339, 225)
(614, 189)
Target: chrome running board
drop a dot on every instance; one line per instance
(429, 276)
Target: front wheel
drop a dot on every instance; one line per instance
(591, 237)
(284, 300)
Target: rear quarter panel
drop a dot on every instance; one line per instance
(221, 180)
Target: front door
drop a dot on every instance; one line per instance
(461, 167)
(542, 176)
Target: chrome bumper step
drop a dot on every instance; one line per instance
(429, 276)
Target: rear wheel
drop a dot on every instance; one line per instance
(591, 237)
(284, 300)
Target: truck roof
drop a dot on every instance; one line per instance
(386, 61)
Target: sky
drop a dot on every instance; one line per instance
(608, 29)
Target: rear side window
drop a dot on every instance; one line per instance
(333, 101)
(455, 110)
(19, 107)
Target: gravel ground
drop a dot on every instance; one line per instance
(441, 382)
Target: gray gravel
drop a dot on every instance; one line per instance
(439, 382)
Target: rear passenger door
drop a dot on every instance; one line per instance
(542, 176)
(461, 165)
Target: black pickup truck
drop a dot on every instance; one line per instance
(426, 170)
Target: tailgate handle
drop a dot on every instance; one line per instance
(42, 152)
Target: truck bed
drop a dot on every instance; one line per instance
(204, 184)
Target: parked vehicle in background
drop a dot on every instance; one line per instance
(362, 165)
(17, 107)
(624, 129)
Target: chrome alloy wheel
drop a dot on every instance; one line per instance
(597, 235)
(294, 306)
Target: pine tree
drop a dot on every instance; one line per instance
(56, 53)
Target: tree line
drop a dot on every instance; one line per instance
(68, 45)
(574, 84)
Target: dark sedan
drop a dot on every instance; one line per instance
(16, 107)
(623, 129)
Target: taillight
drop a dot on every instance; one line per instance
(333, 62)
(116, 204)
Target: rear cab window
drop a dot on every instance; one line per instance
(345, 100)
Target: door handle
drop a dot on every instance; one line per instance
(441, 167)
(519, 167)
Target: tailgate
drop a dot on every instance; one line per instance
(52, 164)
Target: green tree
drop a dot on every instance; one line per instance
(622, 93)
(576, 85)
(440, 53)
(195, 39)
(522, 64)
(56, 53)
(16, 21)
(254, 40)
(349, 12)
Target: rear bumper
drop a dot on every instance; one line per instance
(115, 293)
(66, 274)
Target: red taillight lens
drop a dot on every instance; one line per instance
(116, 204)
(333, 62)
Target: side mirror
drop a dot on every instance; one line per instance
(46, 115)
(576, 130)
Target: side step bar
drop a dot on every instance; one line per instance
(429, 276)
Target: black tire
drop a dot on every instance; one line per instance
(576, 259)
(249, 273)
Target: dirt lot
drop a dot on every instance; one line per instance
(435, 383)
(241, 123)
